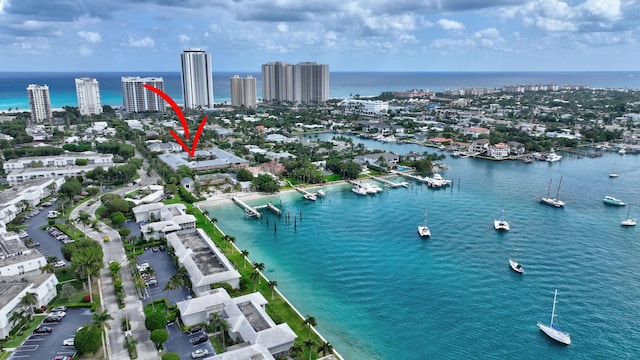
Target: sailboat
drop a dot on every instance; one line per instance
(556, 202)
(551, 331)
(501, 224)
(515, 266)
(423, 230)
(628, 221)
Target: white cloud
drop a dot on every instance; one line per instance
(142, 43)
(451, 25)
(85, 51)
(2, 3)
(183, 38)
(330, 39)
(602, 9)
(282, 27)
(90, 36)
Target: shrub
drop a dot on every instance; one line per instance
(88, 340)
(155, 321)
(86, 298)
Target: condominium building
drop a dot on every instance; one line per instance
(88, 92)
(40, 103)
(305, 82)
(137, 98)
(197, 79)
(243, 91)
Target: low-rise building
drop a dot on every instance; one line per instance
(500, 150)
(27, 194)
(158, 220)
(47, 167)
(474, 132)
(208, 159)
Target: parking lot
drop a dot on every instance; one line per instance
(179, 343)
(161, 263)
(48, 244)
(47, 346)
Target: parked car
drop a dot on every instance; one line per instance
(68, 342)
(162, 247)
(151, 282)
(57, 313)
(42, 329)
(202, 338)
(199, 353)
(193, 330)
(59, 264)
(63, 357)
(52, 319)
(58, 308)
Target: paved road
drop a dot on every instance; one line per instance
(114, 251)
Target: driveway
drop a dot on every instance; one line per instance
(47, 346)
(179, 343)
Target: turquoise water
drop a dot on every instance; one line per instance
(378, 291)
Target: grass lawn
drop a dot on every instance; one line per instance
(332, 178)
(20, 336)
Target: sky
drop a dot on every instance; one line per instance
(348, 35)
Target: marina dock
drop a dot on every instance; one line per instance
(437, 181)
(271, 207)
(390, 184)
(307, 195)
(249, 210)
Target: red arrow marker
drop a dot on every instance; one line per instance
(191, 151)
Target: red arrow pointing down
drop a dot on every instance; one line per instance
(191, 151)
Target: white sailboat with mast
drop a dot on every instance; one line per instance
(501, 225)
(628, 221)
(556, 202)
(423, 230)
(551, 331)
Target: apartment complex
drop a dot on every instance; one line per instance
(136, 98)
(47, 167)
(88, 92)
(243, 91)
(197, 79)
(305, 82)
(40, 103)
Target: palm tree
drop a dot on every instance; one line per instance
(309, 344)
(175, 282)
(139, 284)
(214, 319)
(223, 326)
(48, 267)
(258, 267)
(83, 218)
(295, 351)
(87, 264)
(309, 322)
(16, 317)
(272, 285)
(28, 300)
(254, 275)
(229, 239)
(244, 254)
(326, 348)
(101, 319)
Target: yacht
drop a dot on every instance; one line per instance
(321, 193)
(551, 331)
(310, 197)
(613, 201)
(553, 157)
(555, 202)
(358, 189)
(628, 221)
(423, 230)
(613, 175)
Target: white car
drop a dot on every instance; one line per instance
(57, 313)
(59, 264)
(68, 342)
(199, 353)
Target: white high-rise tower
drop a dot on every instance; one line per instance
(243, 91)
(197, 79)
(40, 103)
(88, 92)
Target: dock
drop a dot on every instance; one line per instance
(249, 210)
(390, 184)
(436, 181)
(307, 195)
(271, 207)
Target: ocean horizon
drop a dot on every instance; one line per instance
(13, 85)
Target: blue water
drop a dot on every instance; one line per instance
(13, 85)
(378, 291)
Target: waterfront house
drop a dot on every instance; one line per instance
(474, 132)
(500, 150)
(479, 146)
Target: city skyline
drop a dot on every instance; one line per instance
(410, 35)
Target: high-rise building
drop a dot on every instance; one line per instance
(136, 98)
(311, 82)
(305, 82)
(197, 79)
(243, 91)
(40, 103)
(277, 81)
(88, 92)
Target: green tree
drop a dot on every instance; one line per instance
(71, 188)
(229, 239)
(258, 267)
(176, 281)
(155, 320)
(310, 321)
(325, 349)
(83, 218)
(244, 175)
(28, 301)
(245, 254)
(272, 286)
(309, 343)
(82, 162)
(88, 340)
(118, 219)
(87, 263)
(159, 337)
(101, 319)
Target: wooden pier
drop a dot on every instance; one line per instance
(249, 210)
(391, 184)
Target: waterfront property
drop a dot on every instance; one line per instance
(215, 159)
(248, 321)
(158, 220)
